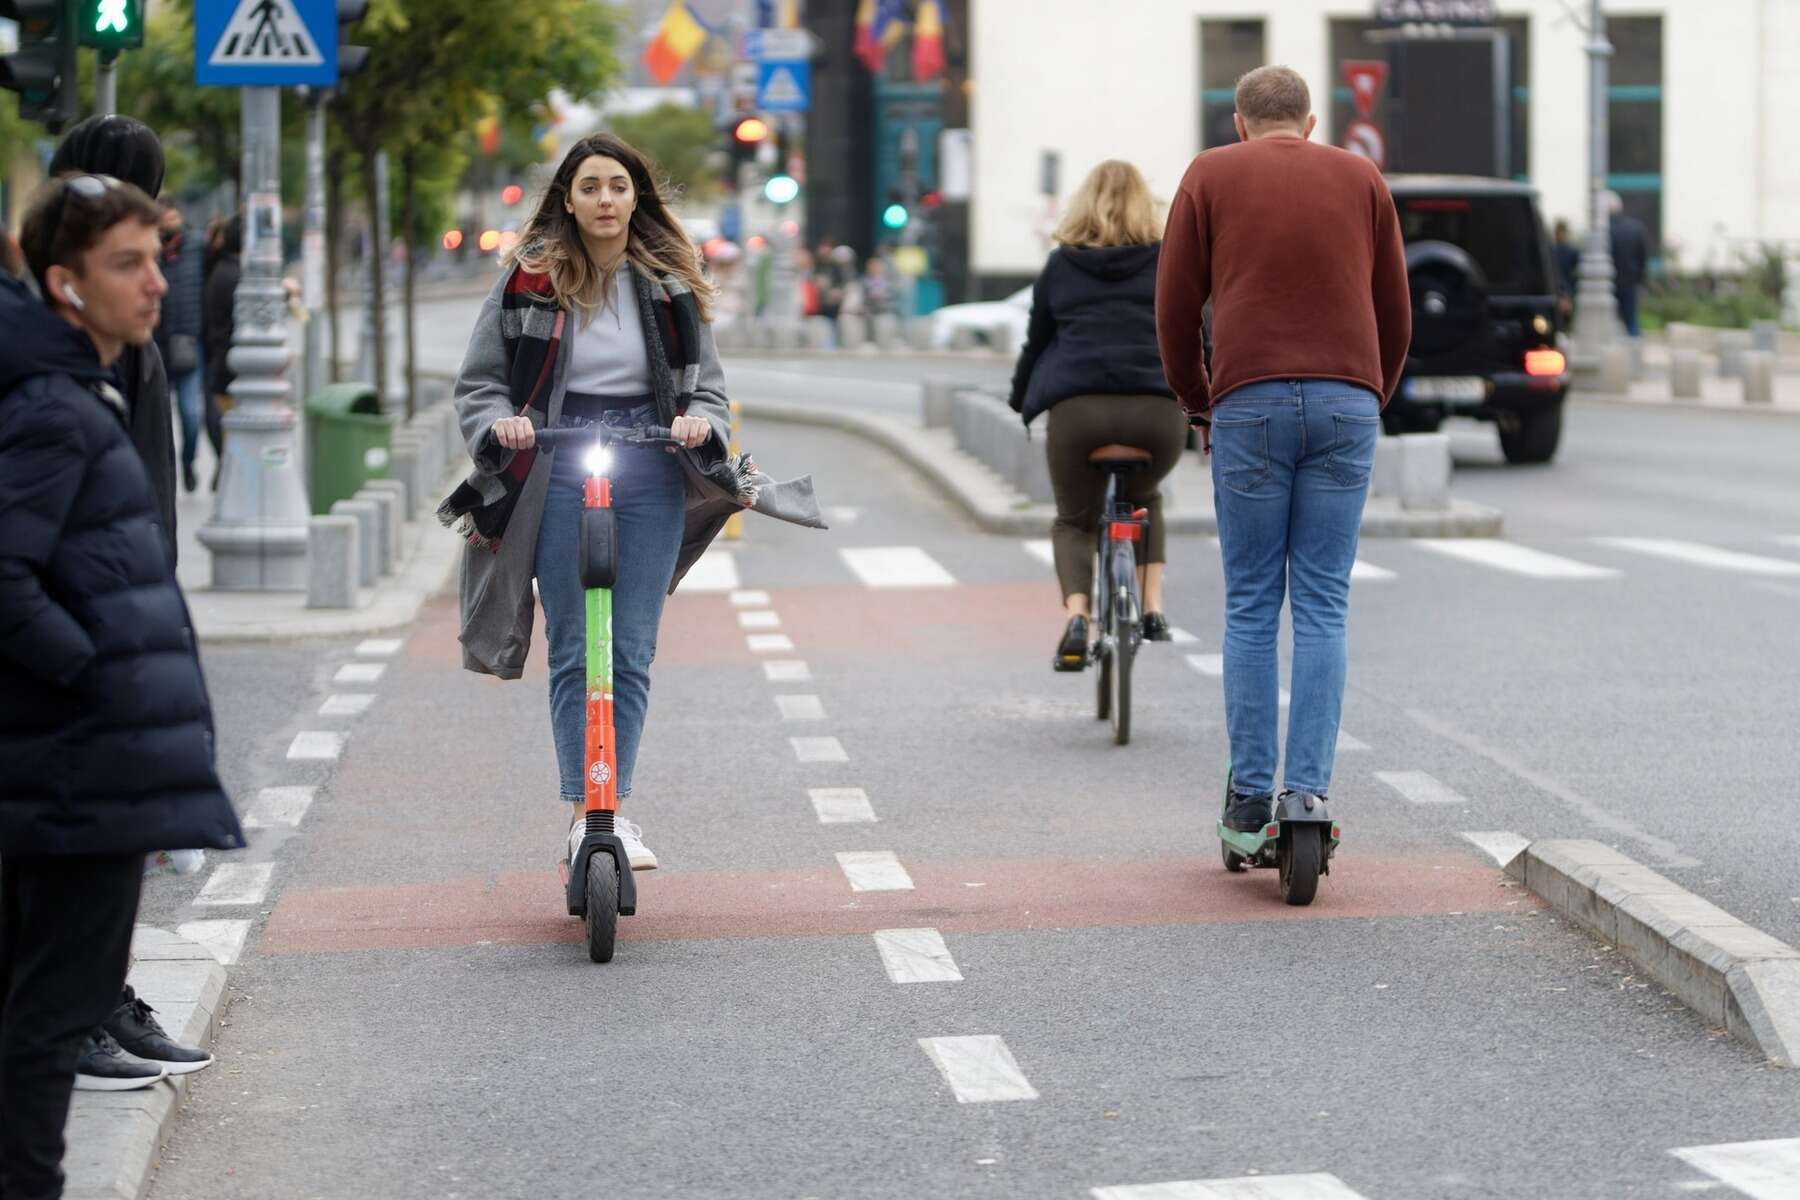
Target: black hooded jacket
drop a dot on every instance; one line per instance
(1093, 329)
(106, 732)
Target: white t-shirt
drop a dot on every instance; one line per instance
(607, 357)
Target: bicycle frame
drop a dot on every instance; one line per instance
(1121, 529)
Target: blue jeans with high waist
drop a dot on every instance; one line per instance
(648, 494)
(1291, 460)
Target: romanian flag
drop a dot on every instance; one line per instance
(677, 40)
(879, 24)
(928, 41)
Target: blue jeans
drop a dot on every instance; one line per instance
(188, 390)
(1291, 462)
(649, 495)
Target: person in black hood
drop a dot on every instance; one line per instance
(127, 150)
(106, 732)
(1090, 360)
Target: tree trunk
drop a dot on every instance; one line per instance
(334, 239)
(409, 181)
(377, 314)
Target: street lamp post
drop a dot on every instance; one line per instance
(257, 534)
(1596, 313)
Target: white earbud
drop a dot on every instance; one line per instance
(73, 299)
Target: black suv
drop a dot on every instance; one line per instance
(1484, 341)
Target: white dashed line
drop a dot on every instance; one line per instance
(1346, 742)
(786, 670)
(1701, 555)
(279, 806)
(916, 956)
(1520, 560)
(1213, 666)
(1249, 1187)
(841, 806)
(224, 940)
(874, 871)
(839, 514)
(1501, 845)
(347, 705)
(237, 883)
(759, 619)
(316, 745)
(1418, 787)
(360, 673)
(979, 1069)
(1362, 572)
(800, 708)
(896, 567)
(750, 599)
(819, 750)
(1761, 1170)
(378, 648)
(1181, 637)
(715, 572)
(1042, 549)
(768, 643)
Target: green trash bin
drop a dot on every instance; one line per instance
(348, 442)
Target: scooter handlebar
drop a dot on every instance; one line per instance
(553, 437)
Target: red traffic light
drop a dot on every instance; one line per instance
(931, 199)
(751, 130)
(512, 193)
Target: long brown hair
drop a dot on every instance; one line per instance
(1112, 207)
(655, 244)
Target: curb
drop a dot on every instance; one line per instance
(997, 508)
(1686, 406)
(114, 1138)
(1733, 975)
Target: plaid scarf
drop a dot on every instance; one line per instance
(532, 326)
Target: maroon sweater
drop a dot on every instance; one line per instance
(1298, 247)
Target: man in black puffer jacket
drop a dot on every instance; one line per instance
(106, 732)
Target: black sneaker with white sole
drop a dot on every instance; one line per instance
(134, 1026)
(104, 1067)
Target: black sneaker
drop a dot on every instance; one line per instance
(134, 1026)
(1156, 628)
(1248, 814)
(104, 1067)
(1072, 651)
(189, 481)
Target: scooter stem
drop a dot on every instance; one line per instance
(599, 761)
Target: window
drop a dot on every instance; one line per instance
(1228, 50)
(1501, 233)
(1635, 119)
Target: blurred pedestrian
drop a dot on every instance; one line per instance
(1090, 361)
(1567, 256)
(178, 335)
(106, 733)
(806, 279)
(1299, 247)
(881, 295)
(220, 325)
(1630, 256)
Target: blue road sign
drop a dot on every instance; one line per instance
(784, 86)
(265, 43)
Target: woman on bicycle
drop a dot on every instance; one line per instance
(1090, 360)
(602, 317)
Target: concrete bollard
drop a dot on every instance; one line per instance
(394, 527)
(917, 333)
(935, 395)
(1635, 346)
(785, 335)
(368, 537)
(456, 451)
(1681, 336)
(1424, 471)
(407, 468)
(1385, 479)
(965, 409)
(886, 330)
(1733, 345)
(1615, 370)
(1004, 339)
(1764, 336)
(332, 562)
(1003, 439)
(1759, 377)
(816, 333)
(387, 526)
(1684, 374)
(430, 452)
(852, 331)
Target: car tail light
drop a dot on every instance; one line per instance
(1545, 362)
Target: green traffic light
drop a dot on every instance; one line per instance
(894, 216)
(112, 17)
(112, 25)
(781, 189)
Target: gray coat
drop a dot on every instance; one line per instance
(497, 602)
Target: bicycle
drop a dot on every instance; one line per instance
(1117, 604)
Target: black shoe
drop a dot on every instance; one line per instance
(1072, 651)
(1156, 628)
(189, 480)
(104, 1067)
(1248, 814)
(138, 1032)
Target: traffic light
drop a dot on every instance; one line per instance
(895, 216)
(781, 189)
(43, 69)
(350, 58)
(110, 26)
(751, 131)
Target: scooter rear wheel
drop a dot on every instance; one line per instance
(1234, 862)
(1299, 856)
(602, 906)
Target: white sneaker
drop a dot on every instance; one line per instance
(629, 834)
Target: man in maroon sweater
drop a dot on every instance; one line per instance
(1298, 247)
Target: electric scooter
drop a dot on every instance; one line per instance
(1298, 842)
(597, 876)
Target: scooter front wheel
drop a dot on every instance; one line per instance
(602, 906)
(1299, 855)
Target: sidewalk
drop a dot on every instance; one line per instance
(1718, 393)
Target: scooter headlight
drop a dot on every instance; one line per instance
(597, 460)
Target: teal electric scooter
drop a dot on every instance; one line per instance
(1298, 842)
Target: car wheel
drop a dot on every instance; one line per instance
(1534, 441)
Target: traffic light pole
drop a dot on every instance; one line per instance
(312, 241)
(106, 84)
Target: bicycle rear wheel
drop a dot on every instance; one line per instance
(1122, 634)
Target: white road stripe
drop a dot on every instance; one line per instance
(841, 806)
(224, 940)
(1181, 637)
(840, 514)
(316, 745)
(874, 871)
(895, 567)
(759, 619)
(1250, 1187)
(360, 673)
(1701, 555)
(800, 708)
(786, 670)
(768, 643)
(979, 1069)
(1419, 787)
(346, 705)
(916, 956)
(1213, 666)
(1501, 845)
(1347, 743)
(237, 883)
(378, 647)
(1520, 560)
(715, 572)
(750, 599)
(1369, 572)
(1761, 1170)
(819, 750)
(1042, 549)
(279, 806)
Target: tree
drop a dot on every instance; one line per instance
(681, 140)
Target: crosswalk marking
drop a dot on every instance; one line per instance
(360, 673)
(819, 750)
(716, 571)
(1318, 1186)
(750, 599)
(979, 1069)
(787, 670)
(237, 883)
(279, 806)
(841, 514)
(895, 567)
(378, 648)
(1509, 556)
(759, 619)
(1361, 571)
(1213, 666)
(1701, 555)
(1761, 1170)
(1418, 787)
(312, 745)
(841, 806)
(348, 704)
(874, 871)
(916, 956)
(1182, 637)
(800, 708)
(1501, 845)
(224, 940)
(768, 643)
(1346, 742)
(1042, 549)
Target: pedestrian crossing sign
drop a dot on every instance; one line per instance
(265, 43)
(784, 86)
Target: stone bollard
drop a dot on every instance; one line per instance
(430, 454)
(1733, 345)
(1764, 336)
(785, 335)
(1003, 439)
(332, 562)
(1615, 370)
(1681, 336)
(407, 468)
(1385, 479)
(368, 537)
(886, 330)
(962, 420)
(1684, 374)
(1033, 473)
(1004, 339)
(456, 451)
(935, 395)
(917, 333)
(395, 524)
(1424, 471)
(1635, 345)
(1759, 377)
(852, 331)
(387, 524)
(816, 333)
